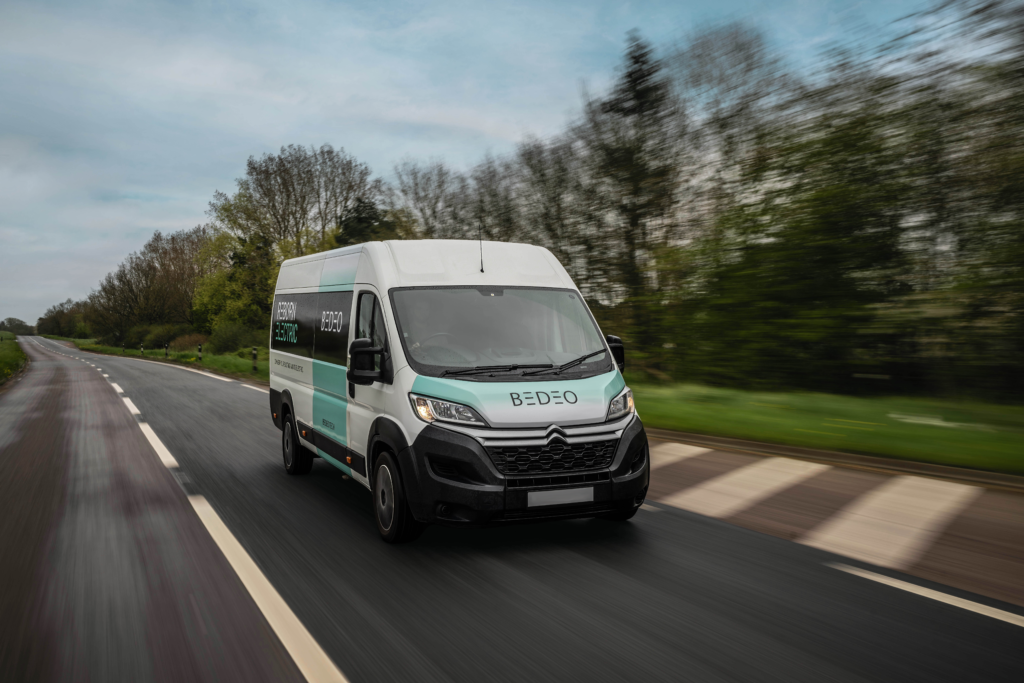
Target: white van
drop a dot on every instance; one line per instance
(462, 382)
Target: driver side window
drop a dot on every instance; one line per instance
(370, 324)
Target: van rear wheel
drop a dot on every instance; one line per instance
(391, 509)
(297, 459)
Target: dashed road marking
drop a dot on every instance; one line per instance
(894, 524)
(165, 455)
(249, 386)
(309, 657)
(117, 388)
(975, 607)
(733, 492)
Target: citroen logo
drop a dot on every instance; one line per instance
(555, 433)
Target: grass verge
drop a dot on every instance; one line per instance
(970, 434)
(12, 358)
(226, 364)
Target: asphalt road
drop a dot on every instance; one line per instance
(670, 596)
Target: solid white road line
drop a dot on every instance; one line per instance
(893, 525)
(978, 608)
(312, 661)
(131, 406)
(249, 386)
(117, 388)
(165, 455)
(181, 367)
(667, 453)
(733, 492)
(209, 374)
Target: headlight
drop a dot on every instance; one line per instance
(431, 409)
(621, 405)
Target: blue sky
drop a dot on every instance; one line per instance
(118, 119)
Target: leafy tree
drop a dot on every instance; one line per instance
(15, 326)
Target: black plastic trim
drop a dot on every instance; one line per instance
(342, 454)
(468, 489)
(276, 403)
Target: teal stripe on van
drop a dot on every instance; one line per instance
(480, 395)
(340, 270)
(330, 403)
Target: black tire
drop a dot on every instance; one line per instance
(621, 515)
(297, 459)
(394, 519)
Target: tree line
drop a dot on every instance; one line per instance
(855, 227)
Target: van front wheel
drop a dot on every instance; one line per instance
(297, 460)
(394, 520)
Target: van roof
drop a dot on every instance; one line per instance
(412, 263)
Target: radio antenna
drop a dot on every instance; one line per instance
(480, 237)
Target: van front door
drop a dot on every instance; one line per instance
(330, 358)
(367, 403)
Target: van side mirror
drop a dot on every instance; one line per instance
(362, 366)
(618, 351)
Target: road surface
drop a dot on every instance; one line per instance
(109, 574)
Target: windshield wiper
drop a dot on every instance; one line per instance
(565, 366)
(480, 369)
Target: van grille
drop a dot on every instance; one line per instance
(553, 457)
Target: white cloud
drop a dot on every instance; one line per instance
(117, 119)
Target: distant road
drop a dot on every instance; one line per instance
(108, 573)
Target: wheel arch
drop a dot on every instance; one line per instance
(385, 433)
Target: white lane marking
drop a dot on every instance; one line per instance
(131, 406)
(106, 375)
(649, 508)
(181, 367)
(165, 455)
(249, 386)
(978, 608)
(309, 657)
(312, 661)
(208, 374)
(667, 453)
(117, 388)
(893, 525)
(733, 492)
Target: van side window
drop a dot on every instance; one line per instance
(334, 310)
(292, 323)
(370, 323)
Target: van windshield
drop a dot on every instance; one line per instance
(448, 331)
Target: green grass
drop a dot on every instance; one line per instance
(70, 339)
(228, 364)
(5, 336)
(11, 357)
(970, 434)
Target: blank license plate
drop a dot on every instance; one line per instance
(560, 497)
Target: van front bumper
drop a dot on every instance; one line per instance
(450, 479)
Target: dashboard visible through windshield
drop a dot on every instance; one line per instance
(498, 333)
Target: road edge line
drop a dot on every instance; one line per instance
(307, 654)
(977, 608)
